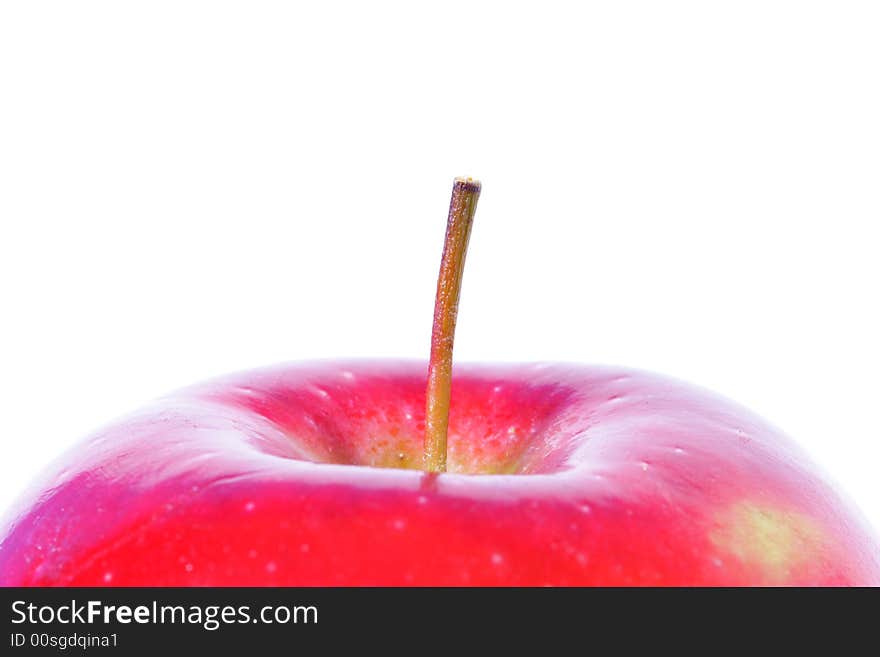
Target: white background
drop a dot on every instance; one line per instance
(188, 188)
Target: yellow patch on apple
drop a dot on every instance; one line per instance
(773, 540)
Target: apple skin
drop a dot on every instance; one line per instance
(577, 476)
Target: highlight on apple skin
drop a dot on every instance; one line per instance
(307, 474)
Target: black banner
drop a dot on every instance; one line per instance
(144, 621)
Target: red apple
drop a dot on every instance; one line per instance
(557, 475)
(308, 474)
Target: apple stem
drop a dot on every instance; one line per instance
(462, 206)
